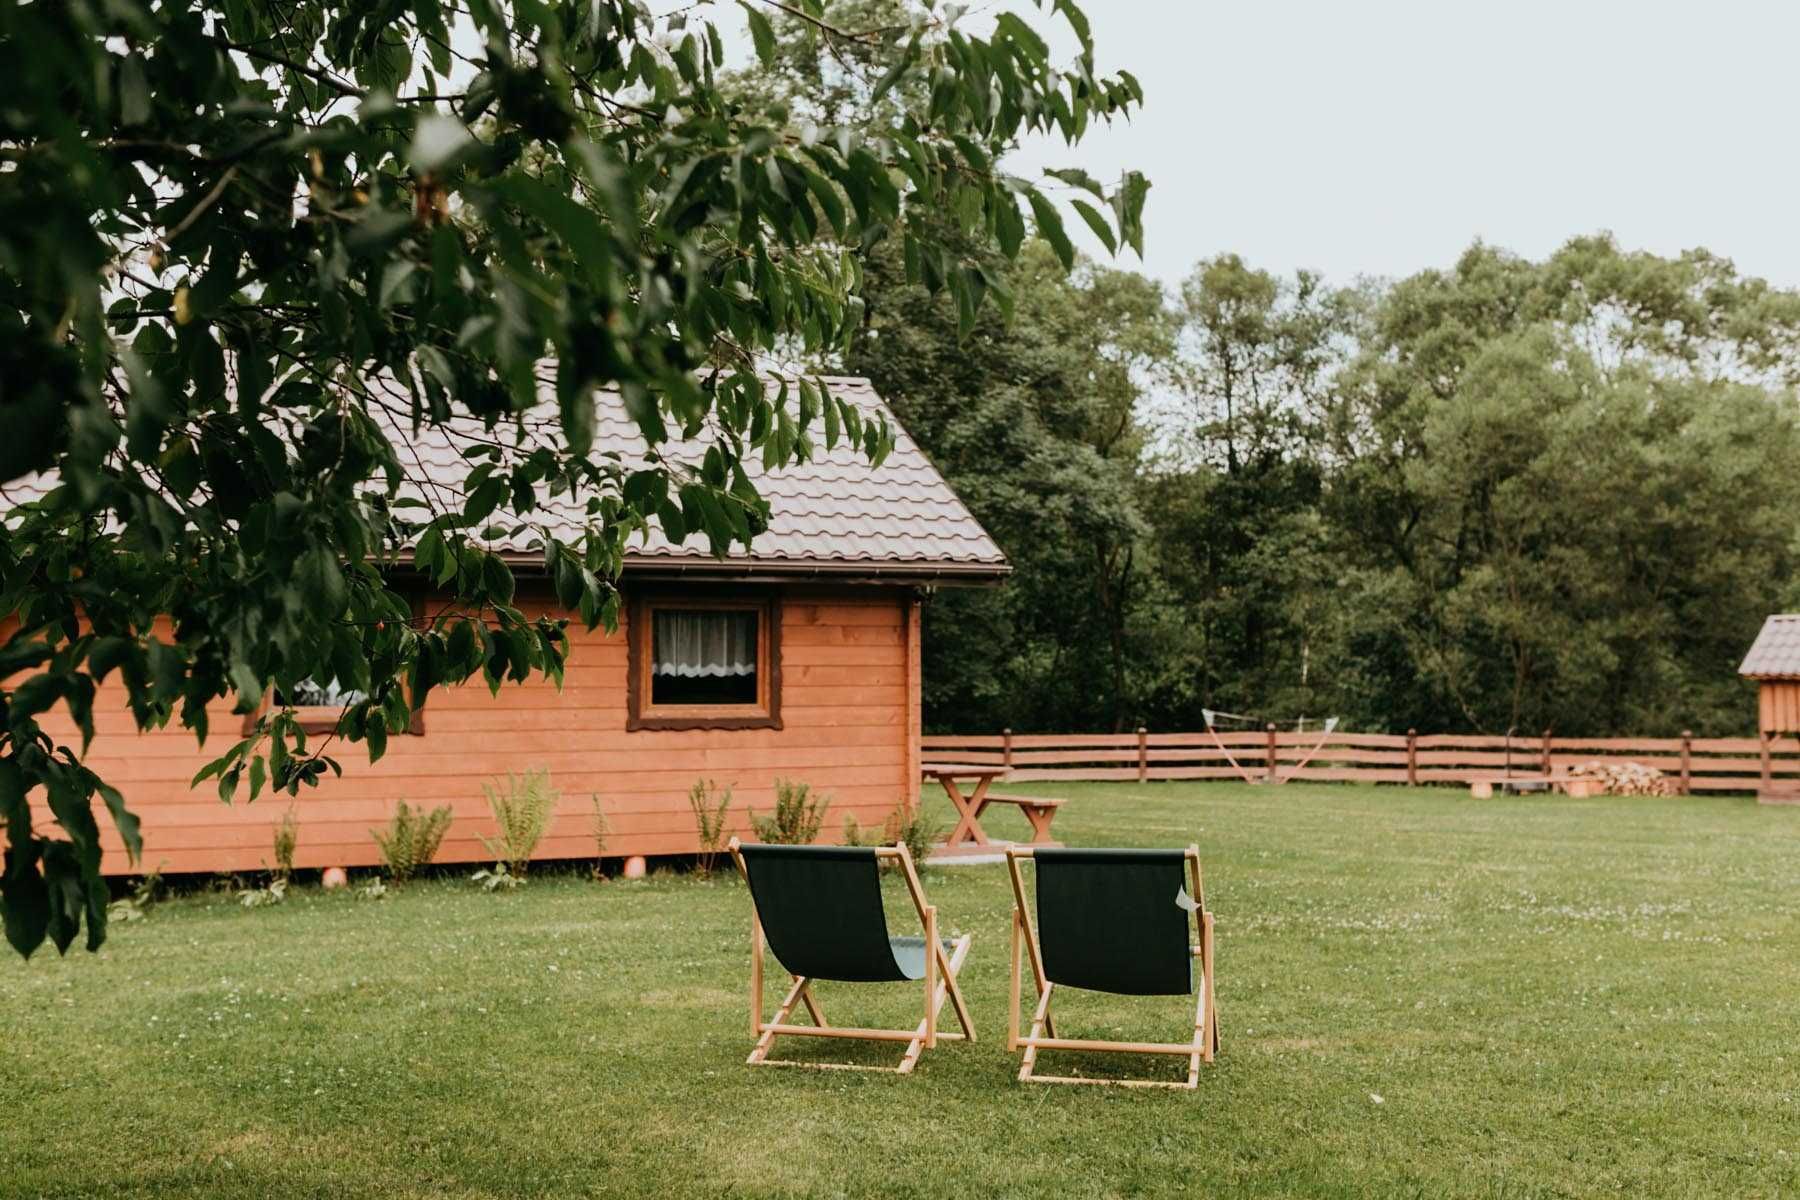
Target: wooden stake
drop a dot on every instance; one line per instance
(1271, 752)
(1412, 758)
(1143, 754)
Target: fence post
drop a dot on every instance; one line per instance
(1143, 754)
(1272, 752)
(1006, 748)
(1768, 767)
(1546, 753)
(1412, 758)
(1687, 753)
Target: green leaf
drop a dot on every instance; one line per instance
(761, 33)
(134, 91)
(322, 582)
(1050, 228)
(1097, 223)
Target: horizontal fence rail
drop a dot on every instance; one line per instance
(1741, 764)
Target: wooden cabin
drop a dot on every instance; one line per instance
(798, 660)
(1774, 662)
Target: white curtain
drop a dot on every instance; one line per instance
(310, 693)
(704, 643)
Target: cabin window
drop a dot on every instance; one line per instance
(704, 664)
(318, 707)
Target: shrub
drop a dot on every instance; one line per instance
(411, 839)
(522, 813)
(856, 835)
(602, 829)
(262, 897)
(912, 826)
(497, 878)
(709, 821)
(145, 892)
(287, 836)
(798, 817)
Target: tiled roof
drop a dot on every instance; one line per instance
(1776, 652)
(836, 512)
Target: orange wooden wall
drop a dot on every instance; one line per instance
(849, 706)
(1779, 704)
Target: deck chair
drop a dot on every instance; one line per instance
(1112, 921)
(819, 907)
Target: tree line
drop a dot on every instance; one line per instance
(1500, 494)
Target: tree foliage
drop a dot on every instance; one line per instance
(244, 247)
(1506, 494)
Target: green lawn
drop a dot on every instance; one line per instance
(1420, 995)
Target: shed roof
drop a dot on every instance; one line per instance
(836, 515)
(1776, 652)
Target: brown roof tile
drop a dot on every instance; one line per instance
(1776, 652)
(835, 512)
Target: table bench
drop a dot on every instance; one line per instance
(1039, 810)
(968, 836)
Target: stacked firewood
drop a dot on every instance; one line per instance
(1625, 778)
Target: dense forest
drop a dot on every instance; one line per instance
(1558, 494)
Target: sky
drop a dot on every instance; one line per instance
(1382, 137)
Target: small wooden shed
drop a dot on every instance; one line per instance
(1774, 662)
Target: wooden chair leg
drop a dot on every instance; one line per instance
(766, 1035)
(945, 985)
(1039, 1022)
(1206, 983)
(931, 976)
(1015, 982)
(812, 1006)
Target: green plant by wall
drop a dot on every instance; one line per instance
(601, 829)
(798, 816)
(919, 832)
(710, 821)
(411, 839)
(856, 835)
(287, 836)
(521, 813)
(144, 893)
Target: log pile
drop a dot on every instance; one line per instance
(1625, 778)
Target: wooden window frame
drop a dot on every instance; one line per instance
(322, 718)
(640, 714)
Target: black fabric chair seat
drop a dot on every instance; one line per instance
(1113, 921)
(822, 914)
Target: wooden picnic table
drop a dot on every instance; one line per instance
(968, 834)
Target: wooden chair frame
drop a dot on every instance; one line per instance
(941, 969)
(1204, 1044)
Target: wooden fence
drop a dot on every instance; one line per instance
(1697, 764)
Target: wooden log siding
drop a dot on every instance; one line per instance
(849, 704)
(1705, 764)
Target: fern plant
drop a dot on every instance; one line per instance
(411, 839)
(521, 814)
(709, 821)
(798, 815)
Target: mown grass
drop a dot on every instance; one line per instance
(1420, 995)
